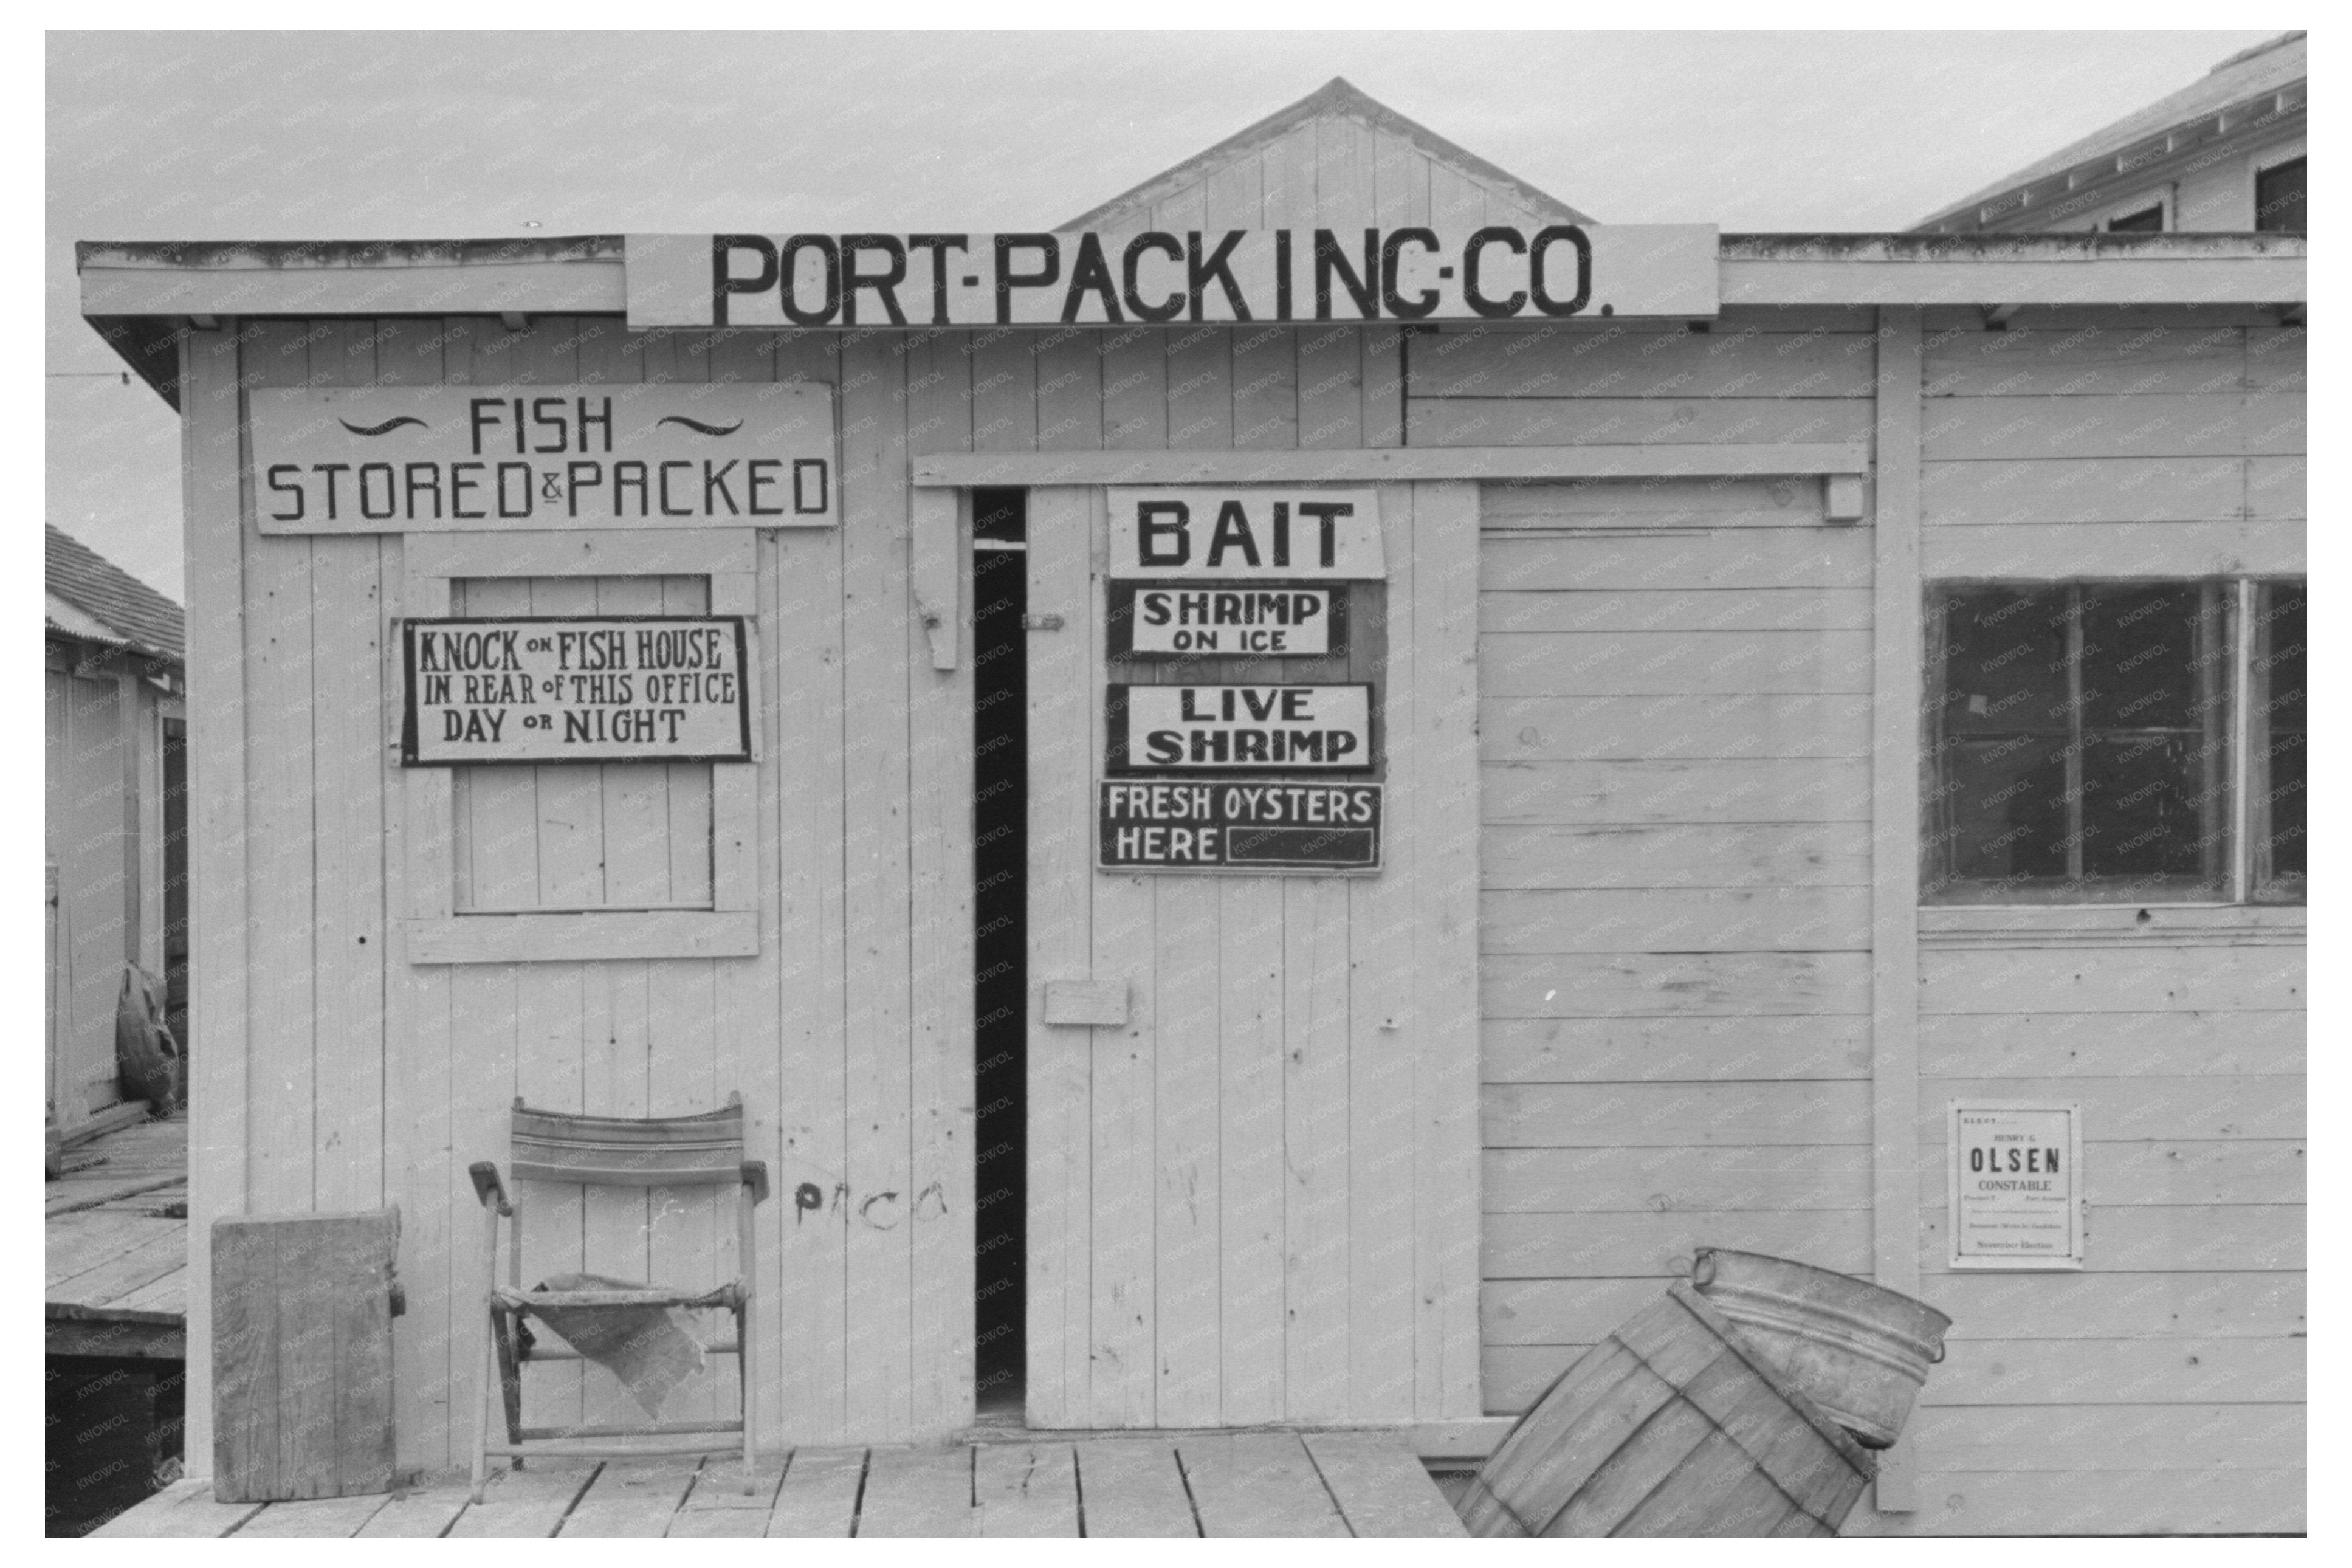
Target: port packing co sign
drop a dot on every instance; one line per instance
(592, 690)
(1496, 273)
(2016, 1186)
(397, 459)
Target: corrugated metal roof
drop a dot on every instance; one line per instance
(2266, 67)
(129, 611)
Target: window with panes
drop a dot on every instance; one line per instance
(2115, 742)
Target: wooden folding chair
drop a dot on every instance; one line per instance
(704, 1149)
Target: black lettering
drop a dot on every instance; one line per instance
(331, 470)
(1559, 233)
(714, 484)
(523, 470)
(1282, 275)
(603, 417)
(485, 413)
(723, 282)
(1494, 309)
(1324, 512)
(1049, 270)
(1198, 272)
(391, 491)
(1233, 529)
(939, 245)
(1149, 531)
(429, 484)
(1363, 289)
(1090, 274)
(885, 283)
(540, 417)
(1168, 309)
(667, 510)
(756, 478)
(577, 474)
(627, 474)
(281, 488)
(458, 485)
(1391, 260)
(787, 266)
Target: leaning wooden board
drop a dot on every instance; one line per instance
(1669, 1428)
(302, 1328)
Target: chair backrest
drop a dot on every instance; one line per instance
(630, 1151)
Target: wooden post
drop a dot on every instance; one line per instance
(212, 509)
(1894, 846)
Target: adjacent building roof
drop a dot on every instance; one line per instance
(91, 598)
(2268, 70)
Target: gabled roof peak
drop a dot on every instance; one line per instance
(1338, 98)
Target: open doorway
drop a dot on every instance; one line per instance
(1001, 946)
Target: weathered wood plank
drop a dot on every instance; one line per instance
(1667, 1115)
(525, 1504)
(1382, 1490)
(1763, 855)
(2116, 549)
(1697, 610)
(2134, 1109)
(2112, 979)
(1677, 791)
(1256, 1485)
(818, 1498)
(1652, 422)
(1316, 1028)
(630, 1499)
(1648, 920)
(2119, 1371)
(1659, 1246)
(2152, 425)
(2278, 488)
(1561, 729)
(2110, 1440)
(2108, 1045)
(327, 1518)
(1026, 1491)
(423, 1513)
(2162, 1239)
(2039, 491)
(1132, 1488)
(74, 1245)
(1247, 1044)
(1061, 884)
(1642, 360)
(920, 1493)
(2046, 361)
(183, 1511)
(1752, 1177)
(1672, 663)
(2189, 1501)
(1717, 985)
(1766, 558)
(1189, 1256)
(1606, 1050)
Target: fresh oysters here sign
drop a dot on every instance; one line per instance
(386, 459)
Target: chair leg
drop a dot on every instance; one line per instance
(504, 1331)
(746, 1368)
(489, 1369)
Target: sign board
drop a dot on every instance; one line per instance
(1230, 824)
(1239, 729)
(394, 460)
(600, 689)
(1193, 620)
(1499, 272)
(2016, 1186)
(1255, 535)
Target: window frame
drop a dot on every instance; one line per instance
(2157, 196)
(2263, 163)
(2245, 889)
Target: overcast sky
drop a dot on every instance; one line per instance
(351, 136)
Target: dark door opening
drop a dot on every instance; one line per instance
(1000, 786)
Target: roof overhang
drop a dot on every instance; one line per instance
(139, 296)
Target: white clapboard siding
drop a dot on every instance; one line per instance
(2039, 491)
(1768, 854)
(2191, 1499)
(2051, 362)
(1820, 789)
(1655, 1115)
(1674, 920)
(1641, 421)
(1761, 1176)
(2150, 425)
(1763, 558)
(1673, 663)
(1652, 1245)
(2218, 1043)
(1543, 729)
(2112, 979)
(1641, 360)
(1674, 1049)
(1700, 610)
(2163, 1238)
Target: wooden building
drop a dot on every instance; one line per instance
(2226, 153)
(1666, 943)
(113, 759)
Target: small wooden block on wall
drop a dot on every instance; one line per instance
(302, 1309)
(1083, 1001)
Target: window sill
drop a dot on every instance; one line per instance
(2116, 925)
(584, 937)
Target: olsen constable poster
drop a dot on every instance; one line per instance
(2016, 1186)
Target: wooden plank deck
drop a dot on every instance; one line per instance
(116, 1238)
(1226, 1484)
